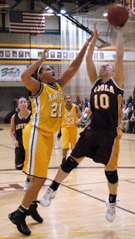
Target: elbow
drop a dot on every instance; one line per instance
(23, 77)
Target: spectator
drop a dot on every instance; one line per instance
(130, 100)
(132, 124)
(87, 103)
(124, 126)
(78, 100)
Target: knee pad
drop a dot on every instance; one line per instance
(69, 165)
(112, 176)
(19, 168)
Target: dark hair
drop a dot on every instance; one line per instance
(66, 96)
(37, 72)
(21, 98)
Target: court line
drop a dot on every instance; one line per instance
(6, 146)
(91, 196)
(13, 147)
(72, 233)
(80, 184)
(98, 167)
(128, 180)
(128, 139)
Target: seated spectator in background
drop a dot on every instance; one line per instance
(85, 116)
(86, 103)
(127, 113)
(79, 102)
(130, 100)
(132, 124)
(84, 112)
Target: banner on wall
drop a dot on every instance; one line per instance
(11, 73)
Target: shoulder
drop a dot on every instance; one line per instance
(58, 84)
(96, 82)
(14, 116)
(13, 119)
(39, 92)
(113, 80)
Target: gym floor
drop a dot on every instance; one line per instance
(78, 211)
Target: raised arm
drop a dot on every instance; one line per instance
(119, 72)
(30, 83)
(91, 70)
(73, 68)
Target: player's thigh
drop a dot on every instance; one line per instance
(108, 149)
(73, 136)
(65, 138)
(38, 151)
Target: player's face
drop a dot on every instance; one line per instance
(68, 100)
(47, 75)
(106, 70)
(22, 104)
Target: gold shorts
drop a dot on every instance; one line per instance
(38, 149)
(69, 135)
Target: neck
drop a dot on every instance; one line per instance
(23, 113)
(105, 79)
(68, 106)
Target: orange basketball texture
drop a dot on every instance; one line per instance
(117, 15)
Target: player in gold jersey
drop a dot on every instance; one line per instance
(71, 120)
(47, 103)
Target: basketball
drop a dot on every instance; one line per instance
(117, 15)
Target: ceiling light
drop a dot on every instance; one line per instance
(50, 10)
(105, 14)
(62, 10)
(46, 8)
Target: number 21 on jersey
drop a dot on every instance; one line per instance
(56, 110)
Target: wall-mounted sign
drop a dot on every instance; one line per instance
(11, 73)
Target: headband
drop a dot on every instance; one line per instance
(38, 71)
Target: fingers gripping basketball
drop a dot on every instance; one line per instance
(118, 15)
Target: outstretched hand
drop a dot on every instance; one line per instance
(96, 33)
(120, 29)
(89, 39)
(43, 57)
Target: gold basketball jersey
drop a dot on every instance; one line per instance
(69, 117)
(47, 108)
